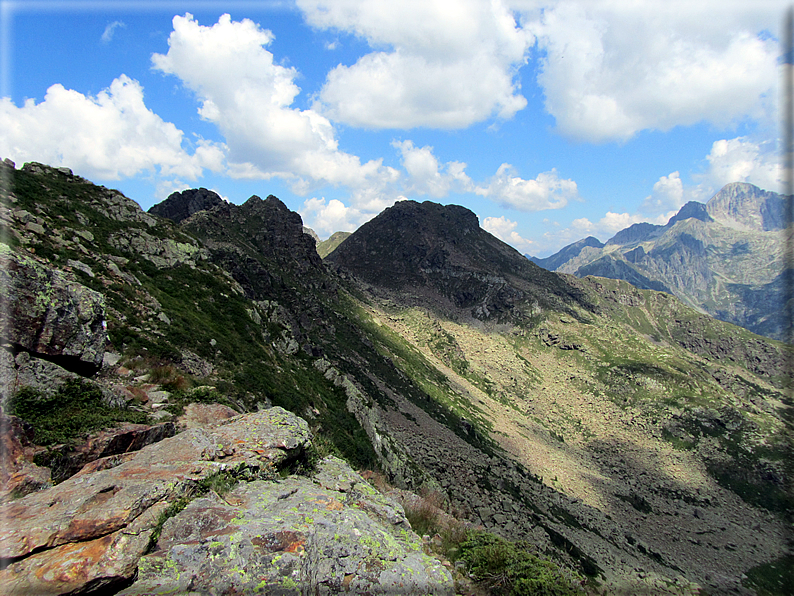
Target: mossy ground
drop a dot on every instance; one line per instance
(69, 414)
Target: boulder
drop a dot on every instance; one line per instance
(125, 438)
(203, 414)
(320, 534)
(26, 371)
(104, 514)
(49, 315)
(335, 534)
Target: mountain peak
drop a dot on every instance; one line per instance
(566, 254)
(181, 205)
(743, 206)
(635, 233)
(442, 250)
(692, 209)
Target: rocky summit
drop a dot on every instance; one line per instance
(198, 403)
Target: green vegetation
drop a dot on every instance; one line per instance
(76, 409)
(772, 579)
(428, 388)
(498, 565)
(511, 568)
(326, 247)
(198, 395)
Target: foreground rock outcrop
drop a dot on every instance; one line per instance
(317, 534)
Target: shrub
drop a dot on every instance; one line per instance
(510, 568)
(77, 408)
(427, 517)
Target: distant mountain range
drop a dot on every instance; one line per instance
(723, 258)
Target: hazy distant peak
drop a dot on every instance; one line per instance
(635, 233)
(744, 206)
(692, 209)
(571, 251)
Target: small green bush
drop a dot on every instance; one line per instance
(77, 408)
(509, 567)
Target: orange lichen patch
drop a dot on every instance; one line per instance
(80, 529)
(331, 504)
(296, 547)
(285, 541)
(334, 505)
(74, 562)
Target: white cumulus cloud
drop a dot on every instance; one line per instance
(505, 230)
(110, 136)
(610, 69)
(427, 176)
(249, 97)
(435, 63)
(742, 160)
(546, 191)
(327, 217)
(667, 195)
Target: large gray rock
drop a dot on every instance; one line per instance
(49, 315)
(162, 252)
(106, 513)
(320, 535)
(332, 534)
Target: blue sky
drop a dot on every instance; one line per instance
(550, 120)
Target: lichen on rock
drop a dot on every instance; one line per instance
(324, 535)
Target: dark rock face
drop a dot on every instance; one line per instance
(50, 316)
(276, 231)
(443, 250)
(264, 229)
(181, 205)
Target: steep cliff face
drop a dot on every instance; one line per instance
(724, 258)
(743, 206)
